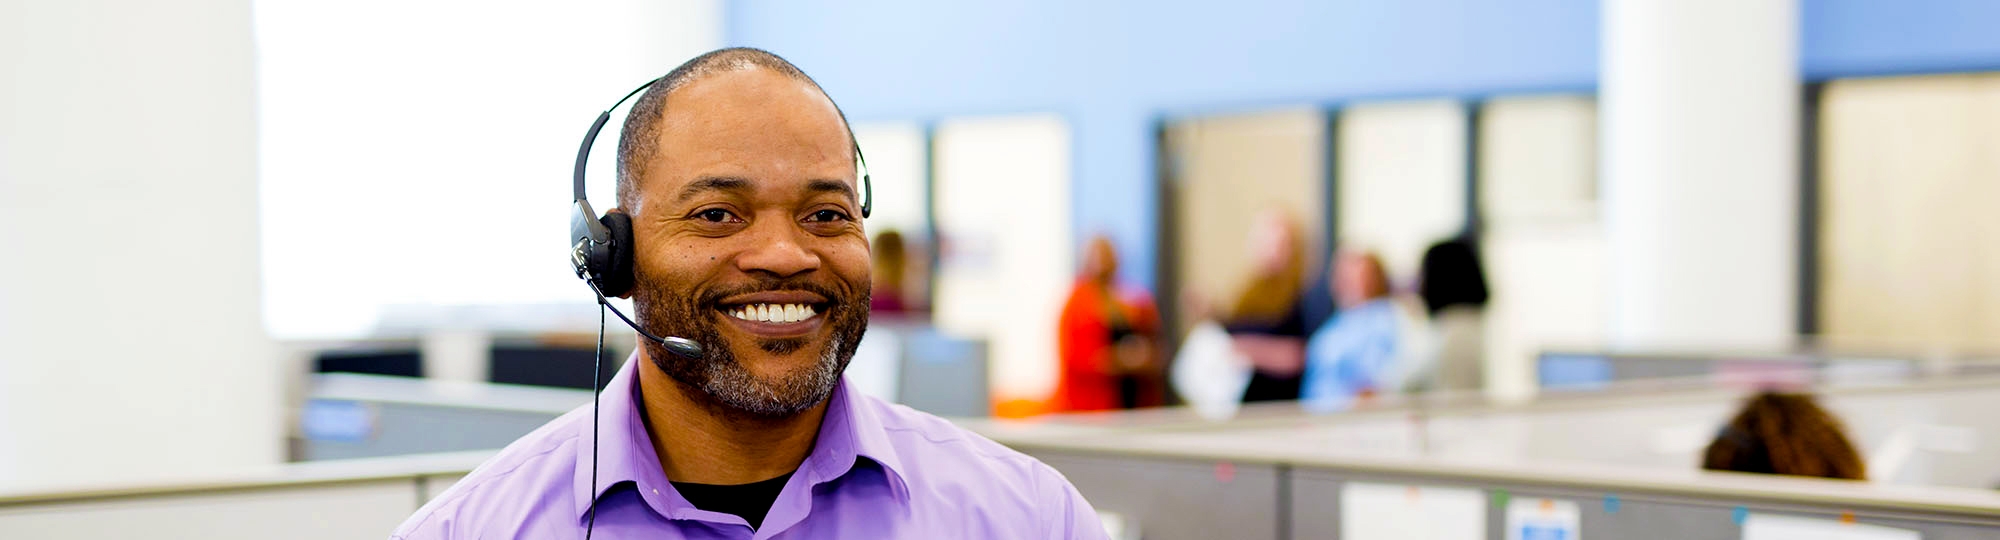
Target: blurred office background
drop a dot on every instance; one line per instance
(211, 207)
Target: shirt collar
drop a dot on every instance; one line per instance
(624, 452)
(851, 430)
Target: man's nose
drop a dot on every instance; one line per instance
(777, 247)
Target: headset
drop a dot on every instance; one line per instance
(601, 253)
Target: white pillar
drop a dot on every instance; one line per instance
(1700, 174)
(130, 341)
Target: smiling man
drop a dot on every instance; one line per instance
(738, 173)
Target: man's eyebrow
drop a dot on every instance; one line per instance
(713, 183)
(832, 186)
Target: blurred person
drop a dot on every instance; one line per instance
(1363, 350)
(1452, 284)
(1785, 433)
(1265, 323)
(886, 296)
(738, 174)
(1105, 339)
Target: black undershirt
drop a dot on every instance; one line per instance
(749, 501)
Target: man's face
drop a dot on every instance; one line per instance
(749, 241)
(1357, 278)
(1102, 263)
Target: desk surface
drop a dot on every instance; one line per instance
(442, 393)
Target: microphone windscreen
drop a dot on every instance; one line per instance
(684, 347)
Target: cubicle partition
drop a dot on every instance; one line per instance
(362, 498)
(1617, 464)
(1612, 466)
(1263, 489)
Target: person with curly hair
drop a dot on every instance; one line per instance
(1785, 433)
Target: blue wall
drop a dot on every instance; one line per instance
(1113, 68)
(1856, 38)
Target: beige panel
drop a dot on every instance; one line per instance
(1232, 169)
(1402, 179)
(1909, 173)
(365, 510)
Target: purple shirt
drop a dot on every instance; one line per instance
(877, 470)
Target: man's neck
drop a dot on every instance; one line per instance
(701, 441)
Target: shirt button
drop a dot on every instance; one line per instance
(656, 492)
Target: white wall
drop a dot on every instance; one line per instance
(1003, 186)
(1700, 136)
(1401, 180)
(1542, 240)
(128, 209)
(898, 167)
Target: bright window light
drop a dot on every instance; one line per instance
(415, 155)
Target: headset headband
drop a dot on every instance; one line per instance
(583, 158)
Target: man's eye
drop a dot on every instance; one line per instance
(828, 216)
(713, 215)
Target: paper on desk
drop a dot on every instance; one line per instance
(1532, 518)
(1398, 512)
(1209, 374)
(1116, 527)
(1776, 527)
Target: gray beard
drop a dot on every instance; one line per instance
(723, 380)
(731, 385)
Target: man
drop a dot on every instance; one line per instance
(1104, 339)
(738, 172)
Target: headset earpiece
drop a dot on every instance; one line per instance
(617, 277)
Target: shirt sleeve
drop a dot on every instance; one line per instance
(1068, 515)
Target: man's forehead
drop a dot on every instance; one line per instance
(751, 101)
(743, 121)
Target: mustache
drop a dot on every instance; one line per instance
(836, 295)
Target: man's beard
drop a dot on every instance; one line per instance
(720, 375)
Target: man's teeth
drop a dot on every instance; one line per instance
(773, 313)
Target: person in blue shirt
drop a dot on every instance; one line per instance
(1360, 351)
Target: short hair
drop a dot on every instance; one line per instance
(1452, 276)
(1780, 433)
(640, 137)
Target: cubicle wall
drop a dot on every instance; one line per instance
(1614, 466)
(307, 501)
(1608, 466)
(1199, 495)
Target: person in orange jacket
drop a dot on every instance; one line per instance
(1105, 340)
